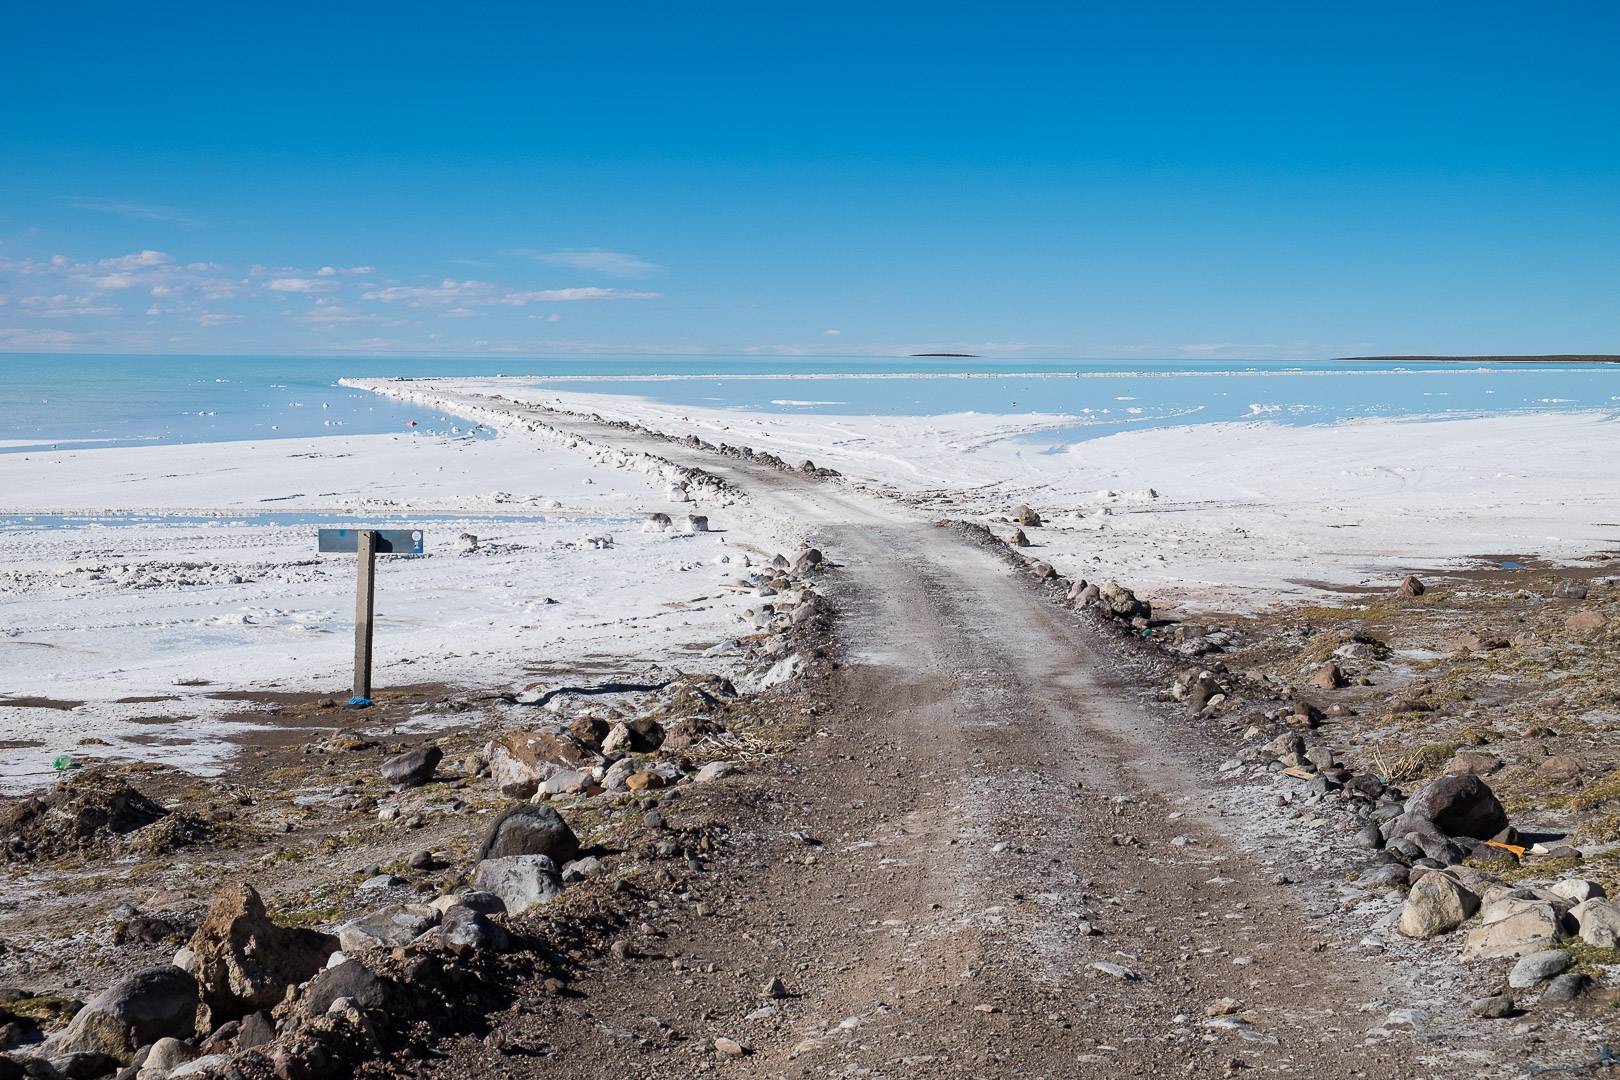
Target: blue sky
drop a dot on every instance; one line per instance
(1164, 180)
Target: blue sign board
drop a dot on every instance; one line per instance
(389, 541)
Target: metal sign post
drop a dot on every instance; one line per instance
(367, 544)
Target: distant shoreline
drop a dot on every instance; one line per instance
(1559, 359)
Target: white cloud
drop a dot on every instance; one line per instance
(116, 281)
(301, 285)
(122, 208)
(832, 333)
(518, 299)
(132, 262)
(597, 260)
(332, 271)
(328, 311)
(27, 338)
(449, 291)
(462, 313)
(62, 306)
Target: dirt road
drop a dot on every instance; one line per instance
(1015, 867)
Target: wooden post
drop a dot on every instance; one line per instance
(364, 595)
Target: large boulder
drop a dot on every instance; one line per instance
(1513, 927)
(244, 962)
(1437, 904)
(1459, 806)
(520, 760)
(529, 830)
(1576, 890)
(413, 768)
(139, 1009)
(1538, 967)
(1599, 920)
(521, 881)
(386, 928)
(350, 979)
(466, 930)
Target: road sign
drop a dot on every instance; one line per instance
(368, 544)
(389, 541)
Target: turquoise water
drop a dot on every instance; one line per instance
(106, 400)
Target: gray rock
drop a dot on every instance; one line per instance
(1565, 988)
(1369, 837)
(1513, 927)
(1289, 742)
(464, 929)
(620, 771)
(381, 881)
(256, 1030)
(168, 1053)
(209, 1065)
(485, 903)
(413, 768)
(530, 830)
(1538, 967)
(1570, 589)
(1498, 1007)
(138, 1009)
(1577, 889)
(1404, 848)
(565, 782)
(580, 869)
(83, 1066)
(28, 1068)
(348, 980)
(1437, 904)
(1459, 806)
(1599, 920)
(714, 770)
(1383, 875)
(387, 928)
(1427, 836)
(521, 881)
(775, 988)
(420, 860)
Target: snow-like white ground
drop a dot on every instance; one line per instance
(179, 609)
(195, 591)
(1228, 516)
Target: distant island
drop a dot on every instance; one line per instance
(965, 354)
(1496, 360)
